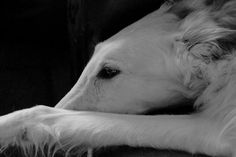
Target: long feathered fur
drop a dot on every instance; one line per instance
(206, 58)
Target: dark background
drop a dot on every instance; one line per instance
(45, 44)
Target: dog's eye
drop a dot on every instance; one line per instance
(108, 73)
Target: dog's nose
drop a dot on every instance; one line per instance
(62, 105)
(67, 102)
(72, 102)
(73, 97)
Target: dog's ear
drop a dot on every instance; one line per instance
(207, 37)
(201, 37)
(213, 27)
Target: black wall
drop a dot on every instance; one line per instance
(45, 44)
(34, 48)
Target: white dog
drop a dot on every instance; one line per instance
(183, 51)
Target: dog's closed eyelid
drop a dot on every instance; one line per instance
(108, 72)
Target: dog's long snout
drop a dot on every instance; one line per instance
(68, 101)
(74, 96)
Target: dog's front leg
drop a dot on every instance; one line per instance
(186, 132)
(43, 125)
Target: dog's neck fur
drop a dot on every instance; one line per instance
(218, 99)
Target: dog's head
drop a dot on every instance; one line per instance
(171, 55)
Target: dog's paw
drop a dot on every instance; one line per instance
(25, 128)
